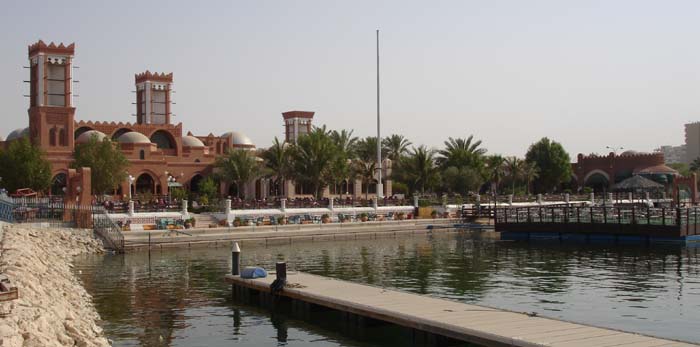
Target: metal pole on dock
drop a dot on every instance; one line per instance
(235, 260)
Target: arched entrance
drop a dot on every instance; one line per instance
(233, 190)
(58, 183)
(194, 183)
(145, 184)
(597, 181)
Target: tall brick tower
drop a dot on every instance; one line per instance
(153, 97)
(296, 123)
(51, 111)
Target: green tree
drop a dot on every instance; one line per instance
(553, 162)
(695, 165)
(418, 170)
(24, 165)
(365, 170)
(530, 172)
(461, 152)
(345, 142)
(207, 190)
(395, 146)
(366, 149)
(311, 159)
(106, 162)
(514, 169)
(495, 169)
(238, 167)
(461, 180)
(277, 163)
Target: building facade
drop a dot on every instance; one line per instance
(602, 172)
(160, 153)
(692, 142)
(673, 154)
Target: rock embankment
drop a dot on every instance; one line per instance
(53, 308)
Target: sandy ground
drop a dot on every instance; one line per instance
(53, 308)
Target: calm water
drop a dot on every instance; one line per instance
(177, 297)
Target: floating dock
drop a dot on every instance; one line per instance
(433, 320)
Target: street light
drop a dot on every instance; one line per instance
(131, 180)
(614, 149)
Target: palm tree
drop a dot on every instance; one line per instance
(365, 170)
(530, 172)
(395, 146)
(277, 163)
(461, 152)
(366, 149)
(344, 141)
(495, 169)
(418, 170)
(513, 167)
(238, 167)
(311, 158)
(695, 165)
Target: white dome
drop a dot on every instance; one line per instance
(238, 138)
(18, 133)
(86, 136)
(191, 141)
(133, 137)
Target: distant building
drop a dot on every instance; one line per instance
(692, 142)
(602, 172)
(672, 154)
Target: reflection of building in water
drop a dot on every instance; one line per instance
(158, 150)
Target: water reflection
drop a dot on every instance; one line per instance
(178, 298)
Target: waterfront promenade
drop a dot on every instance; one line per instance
(435, 320)
(279, 234)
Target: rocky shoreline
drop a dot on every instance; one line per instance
(53, 308)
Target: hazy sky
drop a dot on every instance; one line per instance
(589, 74)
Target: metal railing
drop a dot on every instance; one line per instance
(107, 229)
(639, 215)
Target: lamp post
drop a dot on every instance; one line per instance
(170, 180)
(131, 180)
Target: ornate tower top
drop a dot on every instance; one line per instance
(51, 48)
(297, 123)
(153, 97)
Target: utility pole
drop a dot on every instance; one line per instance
(380, 185)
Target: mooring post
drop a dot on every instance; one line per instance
(510, 199)
(283, 204)
(131, 207)
(184, 212)
(281, 270)
(592, 198)
(235, 260)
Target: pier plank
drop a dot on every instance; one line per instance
(472, 323)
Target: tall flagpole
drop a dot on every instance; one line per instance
(380, 185)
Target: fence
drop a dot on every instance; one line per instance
(685, 218)
(54, 212)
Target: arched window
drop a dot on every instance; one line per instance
(145, 184)
(62, 139)
(52, 137)
(163, 140)
(142, 154)
(120, 132)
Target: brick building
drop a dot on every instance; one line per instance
(160, 154)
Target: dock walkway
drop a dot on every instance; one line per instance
(476, 324)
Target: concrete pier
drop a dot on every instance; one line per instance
(431, 320)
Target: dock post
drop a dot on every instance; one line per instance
(235, 260)
(281, 270)
(510, 199)
(185, 213)
(131, 207)
(227, 209)
(630, 197)
(566, 199)
(330, 204)
(283, 204)
(592, 198)
(539, 199)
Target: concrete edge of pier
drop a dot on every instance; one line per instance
(284, 234)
